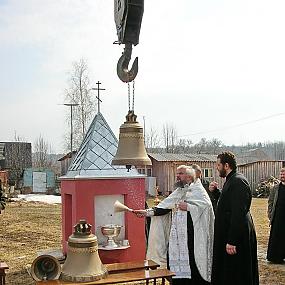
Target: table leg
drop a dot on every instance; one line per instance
(169, 279)
(2, 277)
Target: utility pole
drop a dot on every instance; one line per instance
(71, 105)
(98, 96)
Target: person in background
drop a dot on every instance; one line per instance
(206, 183)
(181, 231)
(276, 215)
(2, 198)
(235, 245)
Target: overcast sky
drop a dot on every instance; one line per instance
(210, 68)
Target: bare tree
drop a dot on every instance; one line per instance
(41, 153)
(79, 92)
(183, 146)
(215, 144)
(18, 138)
(169, 134)
(201, 145)
(152, 139)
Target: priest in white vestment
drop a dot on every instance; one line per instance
(182, 230)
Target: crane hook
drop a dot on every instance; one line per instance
(123, 71)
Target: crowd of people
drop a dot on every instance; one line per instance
(206, 235)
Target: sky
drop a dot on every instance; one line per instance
(213, 69)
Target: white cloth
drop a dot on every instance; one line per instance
(161, 241)
(178, 246)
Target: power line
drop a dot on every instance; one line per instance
(234, 126)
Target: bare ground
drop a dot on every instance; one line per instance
(26, 228)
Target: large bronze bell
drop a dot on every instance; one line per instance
(131, 148)
(83, 263)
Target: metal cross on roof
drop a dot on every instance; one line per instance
(98, 96)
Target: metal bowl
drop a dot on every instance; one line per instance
(111, 230)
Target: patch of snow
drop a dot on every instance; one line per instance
(50, 199)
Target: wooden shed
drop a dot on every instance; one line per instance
(38, 180)
(258, 171)
(164, 167)
(65, 161)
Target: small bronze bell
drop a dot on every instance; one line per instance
(131, 148)
(45, 267)
(83, 263)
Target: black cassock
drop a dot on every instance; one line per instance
(234, 226)
(276, 245)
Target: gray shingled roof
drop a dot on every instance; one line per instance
(183, 157)
(95, 155)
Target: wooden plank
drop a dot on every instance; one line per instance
(3, 266)
(131, 266)
(139, 275)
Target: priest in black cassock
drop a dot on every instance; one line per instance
(235, 246)
(276, 215)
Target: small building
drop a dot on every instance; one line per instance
(259, 171)
(92, 185)
(65, 161)
(15, 157)
(39, 180)
(4, 178)
(164, 167)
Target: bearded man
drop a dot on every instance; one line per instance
(181, 231)
(276, 215)
(235, 246)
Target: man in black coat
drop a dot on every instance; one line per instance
(276, 215)
(235, 246)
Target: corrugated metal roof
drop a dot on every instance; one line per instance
(95, 155)
(187, 157)
(183, 157)
(68, 155)
(260, 162)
